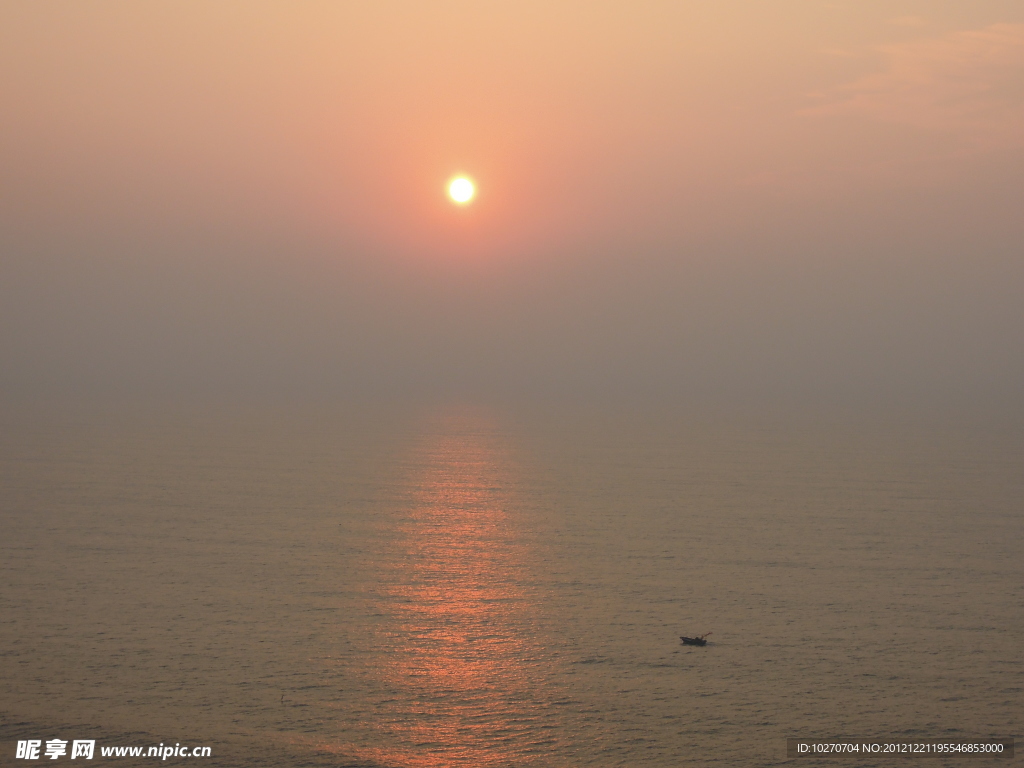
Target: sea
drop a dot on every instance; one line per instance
(470, 585)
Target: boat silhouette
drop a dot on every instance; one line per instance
(699, 640)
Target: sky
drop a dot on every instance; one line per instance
(741, 203)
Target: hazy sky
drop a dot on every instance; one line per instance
(761, 202)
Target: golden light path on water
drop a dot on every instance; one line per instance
(461, 666)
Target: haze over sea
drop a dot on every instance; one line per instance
(393, 384)
(475, 586)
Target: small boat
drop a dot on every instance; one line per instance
(699, 640)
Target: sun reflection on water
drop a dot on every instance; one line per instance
(460, 658)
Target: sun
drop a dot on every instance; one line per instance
(461, 190)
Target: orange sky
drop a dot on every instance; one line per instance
(659, 153)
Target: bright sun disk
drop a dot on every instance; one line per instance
(461, 190)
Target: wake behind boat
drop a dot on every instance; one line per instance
(699, 640)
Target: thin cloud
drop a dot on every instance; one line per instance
(968, 83)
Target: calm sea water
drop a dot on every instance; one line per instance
(464, 588)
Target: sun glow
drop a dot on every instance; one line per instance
(461, 190)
